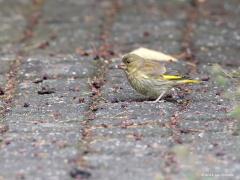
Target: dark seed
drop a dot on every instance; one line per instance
(79, 173)
(26, 105)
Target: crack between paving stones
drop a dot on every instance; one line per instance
(188, 49)
(187, 43)
(188, 54)
(103, 54)
(13, 74)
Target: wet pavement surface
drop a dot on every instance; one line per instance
(67, 112)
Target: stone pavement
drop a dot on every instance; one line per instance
(67, 112)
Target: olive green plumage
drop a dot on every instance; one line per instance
(154, 78)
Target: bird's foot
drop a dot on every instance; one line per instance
(155, 101)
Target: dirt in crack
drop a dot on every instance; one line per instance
(32, 19)
(103, 53)
(187, 44)
(188, 55)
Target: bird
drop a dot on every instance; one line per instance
(154, 78)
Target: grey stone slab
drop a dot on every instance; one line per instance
(12, 21)
(33, 157)
(216, 34)
(62, 66)
(152, 24)
(68, 25)
(5, 64)
(2, 81)
(116, 167)
(134, 112)
(41, 144)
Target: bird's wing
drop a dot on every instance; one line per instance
(153, 68)
(165, 73)
(164, 70)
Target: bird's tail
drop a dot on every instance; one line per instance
(188, 81)
(179, 79)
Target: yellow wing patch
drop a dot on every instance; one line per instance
(192, 81)
(171, 77)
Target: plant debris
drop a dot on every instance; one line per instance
(3, 128)
(1, 91)
(46, 90)
(40, 80)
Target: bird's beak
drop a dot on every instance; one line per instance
(122, 66)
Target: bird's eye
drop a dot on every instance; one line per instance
(127, 60)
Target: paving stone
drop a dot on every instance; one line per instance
(12, 21)
(5, 63)
(67, 26)
(12, 25)
(139, 112)
(63, 66)
(152, 24)
(119, 170)
(135, 130)
(217, 33)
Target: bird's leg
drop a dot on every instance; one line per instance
(174, 93)
(159, 98)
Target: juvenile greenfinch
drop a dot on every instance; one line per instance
(154, 78)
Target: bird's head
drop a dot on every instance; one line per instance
(131, 62)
